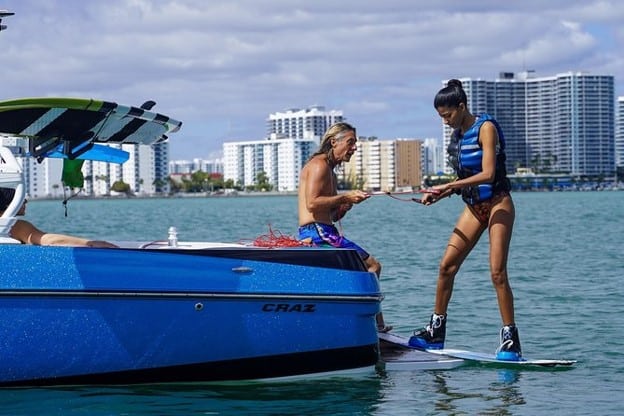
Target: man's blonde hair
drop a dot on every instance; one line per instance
(335, 131)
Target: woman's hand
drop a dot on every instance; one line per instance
(429, 198)
(437, 192)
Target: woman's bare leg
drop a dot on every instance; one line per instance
(501, 226)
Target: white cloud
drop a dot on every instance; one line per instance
(223, 66)
(558, 45)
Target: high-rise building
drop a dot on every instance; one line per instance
(210, 166)
(304, 124)
(42, 180)
(574, 124)
(280, 160)
(292, 136)
(384, 165)
(369, 168)
(408, 163)
(508, 101)
(556, 124)
(433, 157)
(161, 166)
(143, 172)
(619, 135)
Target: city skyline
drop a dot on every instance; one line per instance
(222, 67)
(563, 122)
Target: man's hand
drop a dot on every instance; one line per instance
(357, 196)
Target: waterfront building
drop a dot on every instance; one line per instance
(42, 180)
(433, 157)
(212, 166)
(507, 99)
(292, 136)
(562, 123)
(143, 172)
(370, 168)
(160, 153)
(280, 160)
(189, 166)
(407, 160)
(303, 124)
(383, 165)
(570, 124)
(619, 136)
(178, 167)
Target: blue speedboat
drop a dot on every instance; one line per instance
(152, 312)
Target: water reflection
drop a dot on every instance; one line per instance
(498, 394)
(352, 395)
(458, 391)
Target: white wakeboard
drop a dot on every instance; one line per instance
(485, 358)
(394, 355)
(471, 356)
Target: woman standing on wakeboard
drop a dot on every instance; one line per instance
(477, 154)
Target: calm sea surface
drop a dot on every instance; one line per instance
(566, 267)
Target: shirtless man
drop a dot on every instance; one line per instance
(320, 205)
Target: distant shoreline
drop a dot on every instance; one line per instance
(167, 196)
(270, 193)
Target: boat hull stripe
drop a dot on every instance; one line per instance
(186, 295)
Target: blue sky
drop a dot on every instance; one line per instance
(222, 66)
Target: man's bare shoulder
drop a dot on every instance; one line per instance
(317, 164)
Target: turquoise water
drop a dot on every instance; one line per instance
(566, 268)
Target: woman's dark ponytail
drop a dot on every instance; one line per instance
(451, 96)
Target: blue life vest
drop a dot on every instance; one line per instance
(466, 157)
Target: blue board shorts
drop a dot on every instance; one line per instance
(323, 235)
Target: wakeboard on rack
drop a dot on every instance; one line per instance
(70, 127)
(394, 342)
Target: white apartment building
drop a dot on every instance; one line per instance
(433, 157)
(562, 123)
(97, 178)
(292, 136)
(384, 165)
(139, 172)
(365, 167)
(190, 166)
(280, 160)
(619, 134)
(42, 180)
(295, 134)
(303, 124)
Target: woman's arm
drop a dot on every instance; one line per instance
(27, 233)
